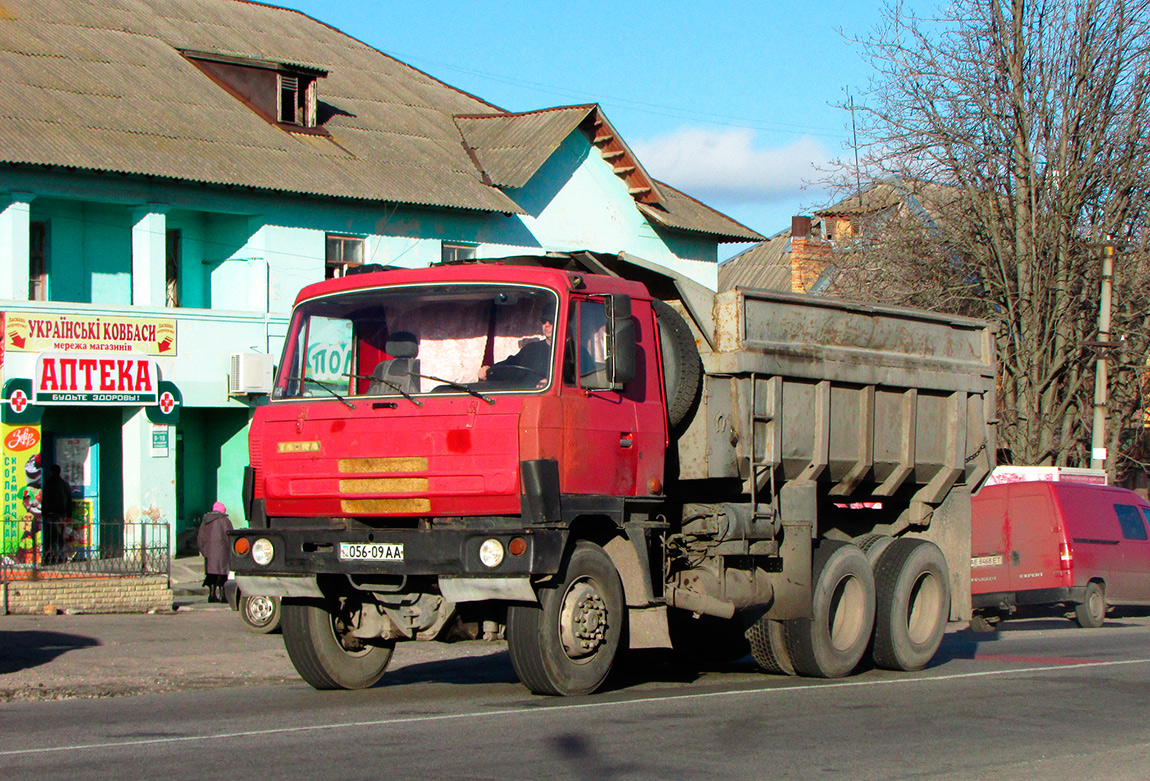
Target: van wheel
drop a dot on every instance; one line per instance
(260, 613)
(912, 604)
(567, 643)
(831, 643)
(1091, 612)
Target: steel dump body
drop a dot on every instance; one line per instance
(720, 456)
(865, 405)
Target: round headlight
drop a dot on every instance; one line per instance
(491, 553)
(262, 551)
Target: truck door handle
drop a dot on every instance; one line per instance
(1015, 558)
(626, 439)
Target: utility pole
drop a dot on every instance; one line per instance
(1098, 434)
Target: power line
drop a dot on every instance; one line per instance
(654, 109)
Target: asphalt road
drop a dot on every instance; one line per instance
(1039, 698)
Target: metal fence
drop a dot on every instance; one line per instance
(35, 550)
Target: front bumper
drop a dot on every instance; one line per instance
(452, 552)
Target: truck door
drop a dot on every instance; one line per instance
(609, 447)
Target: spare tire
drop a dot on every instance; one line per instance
(682, 367)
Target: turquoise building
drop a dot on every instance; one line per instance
(174, 171)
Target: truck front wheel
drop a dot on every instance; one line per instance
(912, 597)
(323, 650)
(832, 642)
(567, 643)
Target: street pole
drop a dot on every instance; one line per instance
(1098, 435)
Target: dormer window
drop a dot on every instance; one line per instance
(280, 92)
(297, 100)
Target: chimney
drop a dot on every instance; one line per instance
(808, 257)
(800, 227)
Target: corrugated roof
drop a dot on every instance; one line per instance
(766, 266)
(679, 210)
(511, 147)
(102, 85)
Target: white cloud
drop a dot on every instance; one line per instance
(726, 164)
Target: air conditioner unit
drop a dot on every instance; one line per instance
(251, 373)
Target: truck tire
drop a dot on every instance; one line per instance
(769, 647)
(325, 654)
(567, 644)
(833, 641)
(682, 368)
(872, 545)
(706, 641)
(1091, 612)
(259, 613)
(912, 604)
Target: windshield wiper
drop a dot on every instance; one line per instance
(326, 387)
(397, 389)
(450, 383)
(456, 385)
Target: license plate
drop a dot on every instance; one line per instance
(371, 551)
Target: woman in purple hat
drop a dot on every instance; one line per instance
(212, 539)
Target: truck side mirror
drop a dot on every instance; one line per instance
(621, 339)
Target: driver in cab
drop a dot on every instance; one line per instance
(529, 366)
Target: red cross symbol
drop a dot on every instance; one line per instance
(18, 401)
(167, 401)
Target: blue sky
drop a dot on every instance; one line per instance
(734, 103)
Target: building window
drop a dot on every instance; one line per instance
(297, 100)
(172, 272)
(342, 252)
(38, 262)
(453, 253)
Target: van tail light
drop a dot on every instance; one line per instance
(1065, 556)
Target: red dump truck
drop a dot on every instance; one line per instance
(582, 453)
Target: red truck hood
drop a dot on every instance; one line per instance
(452, 456)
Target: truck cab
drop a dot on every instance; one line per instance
(403, 397)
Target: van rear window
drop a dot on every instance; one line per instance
(1133, 528)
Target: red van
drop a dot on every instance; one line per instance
(1050, 543)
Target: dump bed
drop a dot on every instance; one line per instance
(879, 409)
(868, 399)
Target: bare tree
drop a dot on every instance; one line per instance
(1022, 132)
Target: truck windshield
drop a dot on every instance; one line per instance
(405, 341)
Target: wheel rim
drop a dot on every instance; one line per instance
(923, 608)
(351, 645)
(1096, 603)
(260, 609)
(583, 620)
(848, 605)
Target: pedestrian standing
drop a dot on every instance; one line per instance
(212, 539)
(56, 511)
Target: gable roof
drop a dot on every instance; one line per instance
(104, 85)
(766, 266)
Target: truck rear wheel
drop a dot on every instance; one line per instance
(833, 641)
(325, 653)
(682, 368)
(567, 643)
(912, 599)
(769, 647)
(1091, 612)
